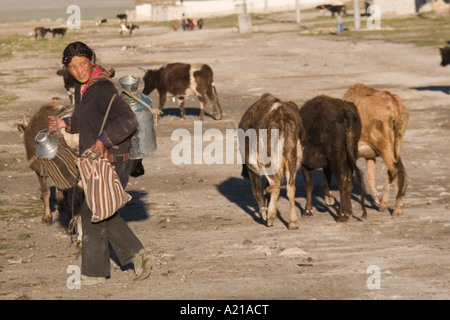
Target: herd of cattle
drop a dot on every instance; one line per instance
(326, 132)
(331, 134)
(124, 27)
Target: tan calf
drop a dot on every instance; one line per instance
(384, 119)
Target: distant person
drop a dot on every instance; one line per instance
(184, 23)
(200, 23)
(191, 24)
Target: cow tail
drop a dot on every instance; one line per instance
(399, 128)
(352, 155)
(401, 172)
(215, 93)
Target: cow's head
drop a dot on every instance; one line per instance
(151, 80)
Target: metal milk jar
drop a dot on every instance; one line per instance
(143, 142)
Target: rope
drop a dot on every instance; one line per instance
(156, 112)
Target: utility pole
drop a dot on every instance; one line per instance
(357, 14)
(245, 20)
(297, 11)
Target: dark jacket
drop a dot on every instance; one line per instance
(88, 116)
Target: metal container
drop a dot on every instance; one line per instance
(46, 144)
(130, 83)
(143, 142)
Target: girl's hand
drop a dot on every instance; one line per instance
(54, 124)
(100, 147)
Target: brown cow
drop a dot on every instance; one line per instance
(180, 80)
(332, 128)
(37, 123)
(263, 116)
(384, 119)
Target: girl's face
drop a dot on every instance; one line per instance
(81, 68)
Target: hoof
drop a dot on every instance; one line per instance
(329, 201)
(47, 220)
(398, 212)
(383, 206)
(308, 213)
(293, 226)
(342, 218)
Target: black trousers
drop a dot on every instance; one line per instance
(99, 236)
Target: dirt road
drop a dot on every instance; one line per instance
(199, 220)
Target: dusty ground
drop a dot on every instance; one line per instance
(199, 220)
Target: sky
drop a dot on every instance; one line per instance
(26, 10)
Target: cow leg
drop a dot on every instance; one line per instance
(309, 185)
(212, 95)
(45, 195)
(203, 102)
(181, 105)
(274, 190)
(371, 180)
(344, 181)
(326, 182)
(162, 99)
(400, 183)
(255, 180)
(290, 190)
(398, 176)
(396, 172)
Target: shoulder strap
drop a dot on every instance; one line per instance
(107, 112)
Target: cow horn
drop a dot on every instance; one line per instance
(143, 69)
(25, 122)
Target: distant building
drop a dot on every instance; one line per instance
(397, 7)
(167, 10)
(401, 7)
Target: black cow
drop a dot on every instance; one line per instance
(334, 9)
(445, 55)
(122, 17)
(282, 148)
(180, 80)
(61, 31)
(69, 83)
(100, 22)
(330, 141)
(41, 31)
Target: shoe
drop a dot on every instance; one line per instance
(90, 281)
(142, 265)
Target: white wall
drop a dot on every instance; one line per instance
(397, 7)
(214, 8)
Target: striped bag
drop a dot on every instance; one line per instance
(62, 167)
(102, 187)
